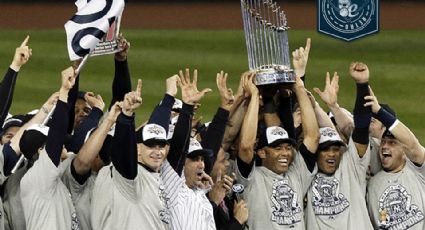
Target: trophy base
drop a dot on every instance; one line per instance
(273, 76)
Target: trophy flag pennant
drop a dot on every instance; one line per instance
(90, 24)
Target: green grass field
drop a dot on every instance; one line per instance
(395, 59)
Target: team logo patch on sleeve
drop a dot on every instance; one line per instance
(348, 19)
(327, 201)
(285, 209)
(396, 210)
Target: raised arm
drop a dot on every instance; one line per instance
(401, 132)
(215, 132)
(250, 122)
(236, 115)
(362, 115)
(7, 85)
(59, 121)
(124, 149)
(309, 121)
(300, 58)
(190, 97)
(122, 80)
(329, 96)
(88, 152)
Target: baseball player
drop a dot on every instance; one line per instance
(275, 190)
(45, 199)
(395, 195)
(336, 198)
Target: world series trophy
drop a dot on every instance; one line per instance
(266, 35)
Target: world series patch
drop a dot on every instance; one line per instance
(396, 210)
(285, 210)
(326, 200)
(348, 19)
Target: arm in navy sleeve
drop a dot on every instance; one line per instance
(309, 157)
(7, 86)
(214, 136)
(162, 112)
(88, 123)
(124, 148)
(121, 83)
(285, 115)
(180, 141)
(10, 159)
(57, 132)
(72, 98)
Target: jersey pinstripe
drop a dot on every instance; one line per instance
(189, 209)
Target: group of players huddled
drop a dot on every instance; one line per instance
(271, 157)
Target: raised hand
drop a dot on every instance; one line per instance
(22, 55)
(190, 93)
(124, 47)
(221, 188)
(94, 100)
(330, 94)
(114, 112)
(248, 85)
(132, 100)
(372, 101)
(300, 58)
(226, 94)
(359, 72)
(68, 80)
(171, 85)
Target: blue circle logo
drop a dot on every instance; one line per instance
(348, 16)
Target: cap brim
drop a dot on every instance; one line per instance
(200, 152)
(326, 144)
(153, 142)
(280, 141)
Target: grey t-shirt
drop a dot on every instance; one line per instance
(338, 201)
(276, 201)
(46, 201)
(80, 193)
(2, 180)
(119, 203)
(397, 200)
(14, 213)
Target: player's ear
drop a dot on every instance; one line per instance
(261, 153)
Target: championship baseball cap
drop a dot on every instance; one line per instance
(195, 150)
(14, 121)
(151, 134)
(274, 136)
(33, 138)
(328, 137)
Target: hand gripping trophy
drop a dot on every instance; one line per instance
(266, 35)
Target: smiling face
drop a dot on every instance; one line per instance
(277, 159)
(392, 154)
(329, 158)
(151, 156)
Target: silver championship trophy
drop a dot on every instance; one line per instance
(266, 35)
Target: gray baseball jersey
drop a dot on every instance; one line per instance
(119, 203)
(375, 161)
(338, 201)
(2, 179)
(276, 201)
(46, 201)
(189, 208)
(397, 200)
(14, 213)
(80, 193)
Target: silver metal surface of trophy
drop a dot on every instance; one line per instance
(266, 35)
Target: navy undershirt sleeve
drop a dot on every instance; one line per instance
(121, 83)
(7, 87)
